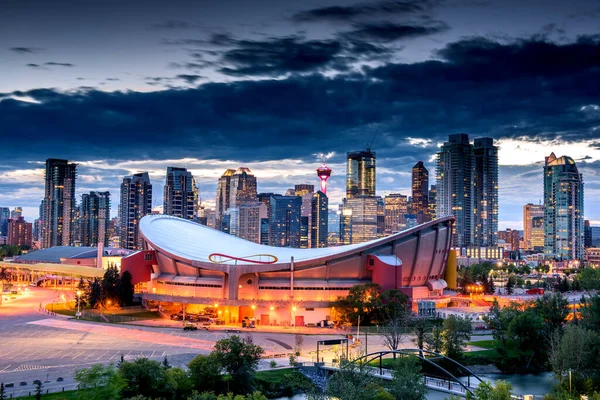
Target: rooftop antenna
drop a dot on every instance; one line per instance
(372, 140)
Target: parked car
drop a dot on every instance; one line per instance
(177, 317)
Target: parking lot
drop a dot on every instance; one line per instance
(38, 346)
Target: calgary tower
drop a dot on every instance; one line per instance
(324, 172)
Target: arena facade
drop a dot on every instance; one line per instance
(189, 265)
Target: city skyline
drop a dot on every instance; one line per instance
(274, 86)
(302, 175)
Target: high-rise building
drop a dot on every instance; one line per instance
(242, 206)
(4, 217)
(95, 218)
(19, 232)
(242, 188)
(304, 232)
(467, 188)
(16, 213)
(533, 218)
(320, 220)
(485, 192)
(249, 221)
(432, 201)
(364, 218)
(587, 234)
(454, 175)
(59, 203)
(537, 234)
(563, 208)
(380, 216)
(180, 193)
(284, 221)
(265, 200)
(136, 202)
(420, 192)
(360, 174)
(396, 207)
(345, 225)
(222, 200)
(77, 226)
(360, 195)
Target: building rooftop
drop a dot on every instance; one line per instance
(56, 253)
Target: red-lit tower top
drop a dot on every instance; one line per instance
(324, 172)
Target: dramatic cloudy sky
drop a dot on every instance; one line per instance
(122, 86)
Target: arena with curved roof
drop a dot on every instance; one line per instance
(188, 263)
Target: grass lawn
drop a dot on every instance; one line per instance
(486, 344)
(62, 308)
(66, 395)
(140, 315)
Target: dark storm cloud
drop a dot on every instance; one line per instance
(523, 58)
(278, 56)
(476, 86)
(344, 13)
(26, 50)
(58, 64)
(388, 31)
(273, 57)
(191, 79)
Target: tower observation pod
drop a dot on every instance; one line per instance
(324, 172)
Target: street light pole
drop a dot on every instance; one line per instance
(78, 303)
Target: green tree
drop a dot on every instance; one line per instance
(99, 382)
(354, 382)
(362, 301)
(125, 289)
(526, 329)
(239, 358)
(393, 332)
(590, 312)
(490, 287)
(110, 284)
(485, 391)
(145, 377)
(81, 299)
(2, 391)
(553, 309)
(456, 332)
(394, 304)
(577, 351)
(94, 295)
(38, 390)
(510, 284)
(434, 340)
(407, 382)
(589, 278)
(420, 327)
(205, 373)
(180, 382)
(543, 269)
(499, 319)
